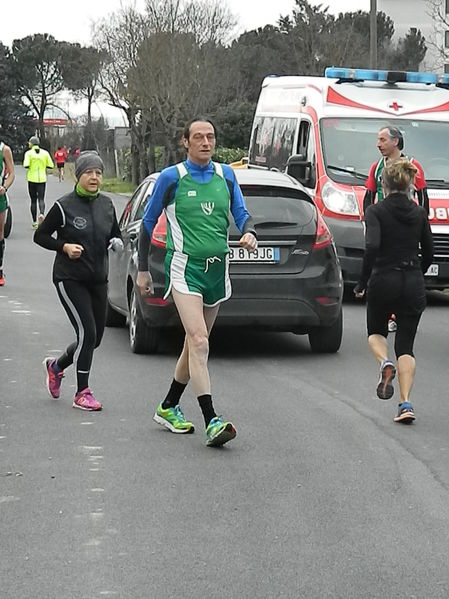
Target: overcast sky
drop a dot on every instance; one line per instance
(71, 20)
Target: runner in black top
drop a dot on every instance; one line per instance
(397, 231)
(86, 227)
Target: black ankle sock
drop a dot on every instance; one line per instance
(174, 394)
(2, 251)
(207, 408)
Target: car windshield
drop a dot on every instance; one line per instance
(350, 147)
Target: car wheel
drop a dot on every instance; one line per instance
(114, 318)
(8, 222)
(327, 340)
(142, 338)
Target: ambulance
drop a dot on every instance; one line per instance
(323, 131)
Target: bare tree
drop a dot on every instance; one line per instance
(82, 78)
(207, 20)
(436, 10)
(120, 35)
(163, 68)
(178, 71)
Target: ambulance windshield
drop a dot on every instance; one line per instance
(350, 147)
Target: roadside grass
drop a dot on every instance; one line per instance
(69, 171)
(111, 184)
(115, 185)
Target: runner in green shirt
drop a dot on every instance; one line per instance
(198, 196)
(6, 179)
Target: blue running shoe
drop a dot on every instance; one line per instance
(219, 432)
(406, 413)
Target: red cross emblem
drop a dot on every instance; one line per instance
(395, 106)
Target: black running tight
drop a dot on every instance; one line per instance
(37, 195)
(85, 304)
(398, 292)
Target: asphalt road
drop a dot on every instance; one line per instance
(320, 495)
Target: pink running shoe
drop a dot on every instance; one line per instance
(84, 400)
(53, 380)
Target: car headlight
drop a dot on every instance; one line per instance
(339, 201)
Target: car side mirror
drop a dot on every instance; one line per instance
(300, 169)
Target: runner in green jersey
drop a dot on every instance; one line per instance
(6, 180)
(198, 196)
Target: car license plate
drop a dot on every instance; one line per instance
(262, 254)
(432, 271)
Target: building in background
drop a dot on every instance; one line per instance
(431, 17)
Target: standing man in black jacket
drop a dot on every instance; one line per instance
(397, 232)
(86, 226)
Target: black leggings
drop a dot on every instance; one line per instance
(85, 305)
(398, 292)
(37, 195)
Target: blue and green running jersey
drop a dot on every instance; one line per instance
(163, 198)
(198, 215)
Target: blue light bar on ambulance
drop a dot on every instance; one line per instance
(375, 75)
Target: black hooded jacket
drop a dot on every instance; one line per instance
(398, 235)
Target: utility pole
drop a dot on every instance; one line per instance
(373, 35)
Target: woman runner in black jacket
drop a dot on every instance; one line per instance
(86, 227)
(398, 251)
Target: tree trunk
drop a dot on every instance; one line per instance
(89, 141)
(131, 114)
(151, 157)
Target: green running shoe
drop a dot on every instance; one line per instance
(173, 419)
(219, 432)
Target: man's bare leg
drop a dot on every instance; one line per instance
(182, 373)
(197, 321)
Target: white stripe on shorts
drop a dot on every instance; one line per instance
(178, 274)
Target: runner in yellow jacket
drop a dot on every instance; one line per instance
(37, 161)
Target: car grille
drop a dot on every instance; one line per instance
(441, 246)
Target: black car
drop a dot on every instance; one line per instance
(291, 283)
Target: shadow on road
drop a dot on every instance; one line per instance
(241, 343)
(231, 342)
(438, 298)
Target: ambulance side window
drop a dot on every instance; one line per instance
(306, 148)
(282, 146)
(303, 138)
(272, 141)
(262, 139)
